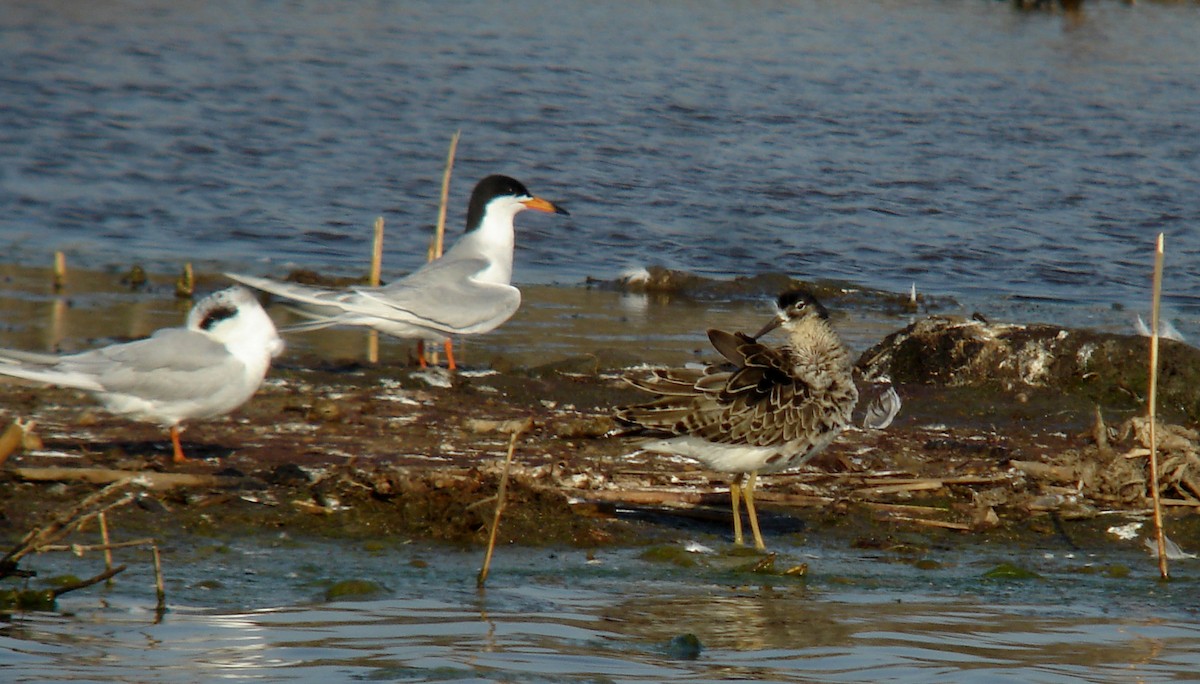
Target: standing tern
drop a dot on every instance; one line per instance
(206, 369)
(776, 409)
(467, 291)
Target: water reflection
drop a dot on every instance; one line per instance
(616, 630)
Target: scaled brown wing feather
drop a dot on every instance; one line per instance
(759, 404)
(730, 345)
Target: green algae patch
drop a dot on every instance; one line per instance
(684, 647)
(27, 599)
(675, 555)
(1113, 570)
(59, 581)
(1011, 572)
(353, 590)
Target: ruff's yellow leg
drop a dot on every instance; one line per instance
(749, 496)
(734, 494)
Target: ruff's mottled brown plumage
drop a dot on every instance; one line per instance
(775, 409)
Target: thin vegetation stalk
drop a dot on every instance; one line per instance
(160, 591)
(103, 520)
(1152, 400)
(60, 271)
(373, 279)
(502, 490)
(439, 237)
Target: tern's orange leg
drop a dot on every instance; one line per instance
(450, 354)
(178, 457)
(421, 353)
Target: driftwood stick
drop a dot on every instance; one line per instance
(1046, 471)
(904, 508)
(147, 479)
(915, 486)
(928, 523)
(80, 549)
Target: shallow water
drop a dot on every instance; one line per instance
(252, 609)
(969, 148)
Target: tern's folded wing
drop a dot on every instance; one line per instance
(318, 301)
(174, 364)
(443, 295)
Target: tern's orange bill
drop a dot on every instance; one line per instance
(539, 204)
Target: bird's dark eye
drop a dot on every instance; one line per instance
(216, 315)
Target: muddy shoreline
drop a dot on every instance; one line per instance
(998, 441)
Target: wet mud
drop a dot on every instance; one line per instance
(1007, 434)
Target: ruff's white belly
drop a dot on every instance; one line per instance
(740, 458)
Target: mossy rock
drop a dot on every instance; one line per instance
(1107, 369)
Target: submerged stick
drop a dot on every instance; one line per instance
(81, 584)
(160, 591)
(491, 547)
(373, 280)
(103, 520)
(1152, 399)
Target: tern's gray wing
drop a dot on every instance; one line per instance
(318, 301)
(443, 295)
(174, 364)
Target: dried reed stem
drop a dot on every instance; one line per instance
(491, 547)
(60, 271)
(1152, 400)
(160, 591)
(373, 279)
(437, 246)
(103, 520)
(439, 237)
(185, 285)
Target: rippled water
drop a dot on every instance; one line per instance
(967, 147)
(1022, 162)
(251, 610)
